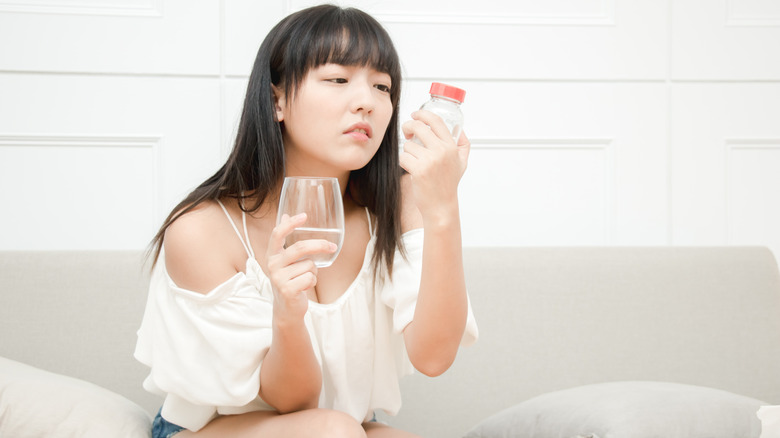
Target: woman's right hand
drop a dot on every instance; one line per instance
(290, 376)
(291, 270)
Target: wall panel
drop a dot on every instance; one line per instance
(752, 192)
(234, 94)
(152, 36)
(732, 39)
(538, 192)
(643, 122)
(124, 148)
(105, 197)
(606, 139)
(246, 24)
(614, 39)
(724, 164)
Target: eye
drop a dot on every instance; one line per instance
(382, 87)
(337, 80)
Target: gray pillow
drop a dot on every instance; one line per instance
(627, 410)
(36, 403)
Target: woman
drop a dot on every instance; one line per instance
(246, 337)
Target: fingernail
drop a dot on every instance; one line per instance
(333, 246)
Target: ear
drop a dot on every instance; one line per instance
(279, 102)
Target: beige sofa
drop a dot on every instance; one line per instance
(630, 342)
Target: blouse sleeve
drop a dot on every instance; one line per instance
(205, 349)
(400, 293)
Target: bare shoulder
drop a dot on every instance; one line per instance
(410, 214)
(196, 254)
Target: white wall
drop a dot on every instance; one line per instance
(594, 122)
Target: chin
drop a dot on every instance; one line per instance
(356, 163)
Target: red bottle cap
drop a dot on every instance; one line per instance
(454, 93)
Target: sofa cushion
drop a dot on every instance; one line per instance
(627, 409)
(37, 403)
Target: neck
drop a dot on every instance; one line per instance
(343, 177)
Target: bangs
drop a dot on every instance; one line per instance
(338, 36)
(349, 46)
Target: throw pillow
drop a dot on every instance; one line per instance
(36, 403)
(632, 409)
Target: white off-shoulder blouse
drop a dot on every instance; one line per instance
(205, 351)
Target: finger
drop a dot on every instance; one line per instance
(298, 276)
(421, 132)
(299, 268)
(463, 140)
(409, 128)
(291, 278)
(435, 122)
(303, 282)
(464, 147)
(413, 156)
(420, 129)
(305, 249)
(286, 226)
(414, 149)
(407, 162)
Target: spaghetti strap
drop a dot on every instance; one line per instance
(370, 225)
(248, 249)
(246, 234)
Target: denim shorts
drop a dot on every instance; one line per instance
(161, 428)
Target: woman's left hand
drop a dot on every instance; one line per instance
(436, 166)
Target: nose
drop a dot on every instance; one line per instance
(363, 97)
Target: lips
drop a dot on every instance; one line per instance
(359, 130)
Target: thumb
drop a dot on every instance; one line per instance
(464, 148)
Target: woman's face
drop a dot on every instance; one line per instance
(336, 120)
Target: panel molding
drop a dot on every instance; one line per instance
(764, 19)
(607, 145)
(542, 143)
(151, 142)
(83, 140)
(606, 17)
(753, 143)
(152, 8)
(732, 146)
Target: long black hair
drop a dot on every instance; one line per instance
(256, 166)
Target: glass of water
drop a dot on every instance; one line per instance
(320, 199)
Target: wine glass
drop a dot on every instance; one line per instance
(320, 199)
